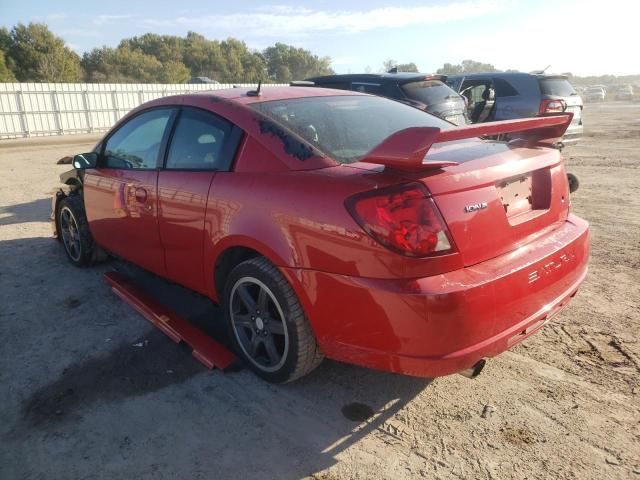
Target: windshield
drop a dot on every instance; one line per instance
(559, 87)
(346, 127)
(429, 92)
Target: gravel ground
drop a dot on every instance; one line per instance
(90, 390)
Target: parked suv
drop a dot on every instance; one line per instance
(504, 96)
(625, 92)
(594, 94)
(426, 92)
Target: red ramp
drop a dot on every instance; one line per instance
(210, 352)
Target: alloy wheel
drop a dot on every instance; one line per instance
(259, 324)
(70, 234)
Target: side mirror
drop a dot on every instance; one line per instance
(85, 160)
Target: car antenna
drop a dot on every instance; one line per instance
(256, 92)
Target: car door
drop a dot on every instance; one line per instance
(200, 145)
(121, 193)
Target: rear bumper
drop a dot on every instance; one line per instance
(573, 134)
(443, 324)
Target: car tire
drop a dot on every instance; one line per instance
(573, 181)
(73, 230)
(267, 324)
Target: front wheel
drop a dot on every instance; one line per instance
(73, 228)
(267, 323)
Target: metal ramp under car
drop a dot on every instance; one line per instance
(207, 350)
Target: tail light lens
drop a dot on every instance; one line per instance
(552, 106)
(403, 219)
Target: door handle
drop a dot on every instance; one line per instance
(141, 195)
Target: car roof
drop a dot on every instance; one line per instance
(402, 77)
(267, 93)
(506, 75)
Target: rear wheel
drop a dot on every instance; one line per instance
(268, 326)
(74, 230)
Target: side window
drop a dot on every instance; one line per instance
(504, 88)
(372, 88)
(454, 83)
(197, 142)
(137, 143)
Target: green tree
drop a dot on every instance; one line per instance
(467, 66)
(408, 67)
(200, 54)
(286, 62)
(127, 65)
(174, 72)
(388, 64)
(37, 55)
(402, 67)
(6, 75)
(166, 48)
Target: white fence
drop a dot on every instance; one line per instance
(39, 109)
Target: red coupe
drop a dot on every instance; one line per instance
(335, 224)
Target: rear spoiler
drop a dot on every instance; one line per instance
(406, 149)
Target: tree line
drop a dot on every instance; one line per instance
(32, 53)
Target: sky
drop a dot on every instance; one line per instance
(583, 37)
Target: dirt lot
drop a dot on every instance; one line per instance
(90, 390)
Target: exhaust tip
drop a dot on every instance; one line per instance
(474, 371)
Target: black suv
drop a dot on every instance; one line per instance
(426, 92)
(503, 96)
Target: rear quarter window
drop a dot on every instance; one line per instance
(428, 91)
(503, 88)
(556, 86)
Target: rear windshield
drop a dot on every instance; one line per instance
(346, 127)
(556, 86)
(429, 91)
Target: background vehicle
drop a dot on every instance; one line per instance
(594, 94)
(426, 92)
(625, 92)
(336, 223)
(504, 96)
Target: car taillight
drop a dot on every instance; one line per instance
(402, 218)
(552, 106)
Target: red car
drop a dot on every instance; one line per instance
(336, 224)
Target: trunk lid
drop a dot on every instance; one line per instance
(494, 196)
(499, 197)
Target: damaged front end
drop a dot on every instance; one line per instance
(72, 181)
